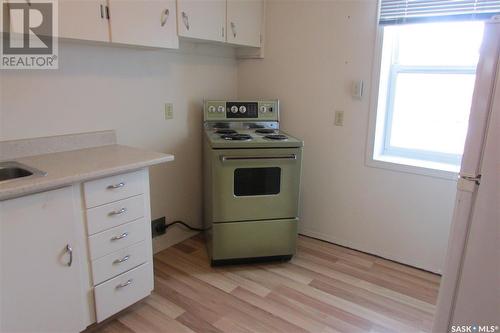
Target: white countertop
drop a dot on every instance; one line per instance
(74, 166)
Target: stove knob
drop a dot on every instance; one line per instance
(234, 109)
(211, 108)
(263, 109)
(243, 109)
(221, 108)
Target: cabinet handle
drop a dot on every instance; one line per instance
(114, 238)
(102, 12)
(185, 19)
(107, 12)
(122, 285)
(164, 17)
(119, 261)
(118, 212)
(233, 28)
(115, 186)
(70, 251)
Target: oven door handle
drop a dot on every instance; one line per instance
(260, 158)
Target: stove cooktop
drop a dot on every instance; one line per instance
(250, 138)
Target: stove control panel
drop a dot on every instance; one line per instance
(241, 110)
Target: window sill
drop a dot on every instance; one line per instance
(418, 167)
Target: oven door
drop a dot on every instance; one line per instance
(255, 184)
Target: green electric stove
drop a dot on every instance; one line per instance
(251, 182)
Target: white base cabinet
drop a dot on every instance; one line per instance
(122, 291)
(41, 276)
(120, 245)
(75, 255)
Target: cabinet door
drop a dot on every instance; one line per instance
(244, 21)
(83, 19)
(144, 22)
(41, 288)
(202, 19)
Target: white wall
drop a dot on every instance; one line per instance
(105, 87)
(314, 50)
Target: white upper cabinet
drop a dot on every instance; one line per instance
(244, 22)
(159, 23)
(202, 19)
(83, 19)
(144, 22)
(40, 257)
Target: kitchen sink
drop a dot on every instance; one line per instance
(10, 170)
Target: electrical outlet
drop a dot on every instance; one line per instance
(339, 118)
(169, 111)
(158, 227)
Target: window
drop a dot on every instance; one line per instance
(425, 89)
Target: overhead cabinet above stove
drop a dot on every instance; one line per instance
(244, 22)
(204, 20)
(160, 23)
(233, 21)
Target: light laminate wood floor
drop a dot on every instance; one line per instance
(324, 288)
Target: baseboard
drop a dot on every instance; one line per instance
(175, 234)
(357, 247)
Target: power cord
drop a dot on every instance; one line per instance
(166, 226)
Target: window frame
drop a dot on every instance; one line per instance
(374, 156)
(424, 155)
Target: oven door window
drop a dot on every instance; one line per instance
(257, 181)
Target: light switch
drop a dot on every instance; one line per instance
(339, 118)
(169, 111)
(357, 89)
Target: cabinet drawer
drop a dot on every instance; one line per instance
(117, 238)
(113, 214)
(118, 262)
(122, 291)
(102, 191)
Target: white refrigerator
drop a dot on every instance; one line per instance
(470, 287)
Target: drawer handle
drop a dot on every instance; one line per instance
(119, 261)
(123, 285)
(118, 212)
(114, 238)
(115, 186)
(69, 249)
